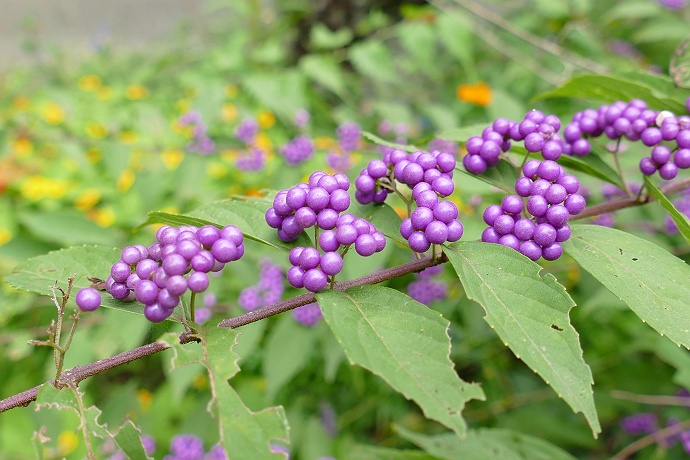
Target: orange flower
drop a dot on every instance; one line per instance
(478, 93)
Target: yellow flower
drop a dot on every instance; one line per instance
(22, 147)
(128, 137)
(263, 142)
(183, 105)
(104, 93)
(5, 236)
(217, 170)
(52, 113)
(125, 180)
(172, 158)
(231, 91)
(87, 199)
(478, 93)
(265, 119)
(324, 142)
(38, 187)
(145, 399)
(229, 155)
(103, 217)
(200, 382)
(67, 442)
(136, 92)
(93, 155)
(96, 130)
(229, 112)
(89, 82)
(21, 103)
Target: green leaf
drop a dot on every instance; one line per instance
(69, 399)
(65, 227)
(379, 141)
(464, 133)
(652, 282)
(243, 433)
(322, 37)
(609, 89)
(661, 30)
(287, 350)
(403, 342)
(324, 70)
(530, 313)
(246, 214)
(680, 65)
(384, 218)
(38, 440)
(680, 219)
(486, 443)
(373, 59)
(128, 439)
(594, 166)
(40, 273)
(502, 176)
(639, 9)
(362, 452)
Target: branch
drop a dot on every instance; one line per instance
(611, 206)
(79, 373)
(653, 438)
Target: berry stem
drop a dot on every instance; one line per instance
(619, 169)
(650, 439)
(191, 306)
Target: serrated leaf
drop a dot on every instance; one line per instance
(67, 398)
(652, 282)
(379, 141)
(38, 440)
(530, 313)
(40, 273)
(128, 439)
(246, 214)
(502, 176)
(243, 433)
(609, 89)
(288, 348)
(680, 219)
(403, 342)
(486, 443)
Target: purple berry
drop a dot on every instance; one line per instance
(647, 166)
(524, 229)
(510, 241)
(489, 235)
(88, 299)
(544, 235)
(197, 282)
(418, 242)
(557, 216)
(176, 285)
(552, 252)
(455, 230)
(365, 245)
(575, 203)
(331, 263)
(512, 204)
(531, 250)
(314, 280)
(651, 136)
(223, 251)
(436, 232)
(491, 213)
(155, 313)
(295, 276)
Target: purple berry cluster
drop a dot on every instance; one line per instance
(267, 291)
(539, 133)
(667, 159)
(318, 202)
(349, 136)
(308, 315)
(430, 176)
(200, 142)
(425, 289)
(298, 150)
(311, 268)
(180, 260)
(551, 199)
(254, 158)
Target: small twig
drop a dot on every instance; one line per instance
(653, 438)
(652, 399)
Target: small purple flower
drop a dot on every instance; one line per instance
(349, 135)
(187, 447)
(301, 118)
(673, 5)
(149, 444)
(216, 453)
(339, 162)
(255, 160)
(267, 291)
(298, 150)
(308, 315)
(642, 423)
(246, 131)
